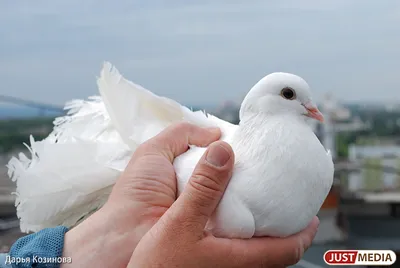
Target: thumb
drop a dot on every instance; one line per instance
(205, 188)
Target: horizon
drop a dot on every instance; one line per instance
(11, 105)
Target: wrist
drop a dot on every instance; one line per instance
(102, 240)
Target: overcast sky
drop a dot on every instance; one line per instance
(200, 53)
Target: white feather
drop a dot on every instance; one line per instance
(137, 113)
(63, 182)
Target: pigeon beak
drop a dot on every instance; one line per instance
(313, 112)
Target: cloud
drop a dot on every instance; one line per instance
(199, 52)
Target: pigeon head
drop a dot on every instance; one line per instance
(280, 93)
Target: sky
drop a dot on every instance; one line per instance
(200, 52)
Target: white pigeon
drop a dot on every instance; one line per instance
(281, 177)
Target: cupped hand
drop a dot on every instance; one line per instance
(141, 195)
(178, 238)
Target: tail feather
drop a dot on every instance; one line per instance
(137, 113)
(71, 172)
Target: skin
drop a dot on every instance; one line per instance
(142, 216)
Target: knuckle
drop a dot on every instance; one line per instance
(206, 183)
(205, 186)
(143, 149)
(152, 148)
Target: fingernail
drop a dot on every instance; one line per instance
(217, 155)
(315, 224)
(317, 220)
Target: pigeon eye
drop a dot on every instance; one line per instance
(288, 93)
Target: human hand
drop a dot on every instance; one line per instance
(178, 238)
(139, 198)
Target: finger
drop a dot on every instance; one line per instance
(275, 252)
(204, 189)
(175, 140)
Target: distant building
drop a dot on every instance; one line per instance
(392, 107)
(337, 119)
(333, 113)
(374, 160)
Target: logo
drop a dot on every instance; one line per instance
(360, 257)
